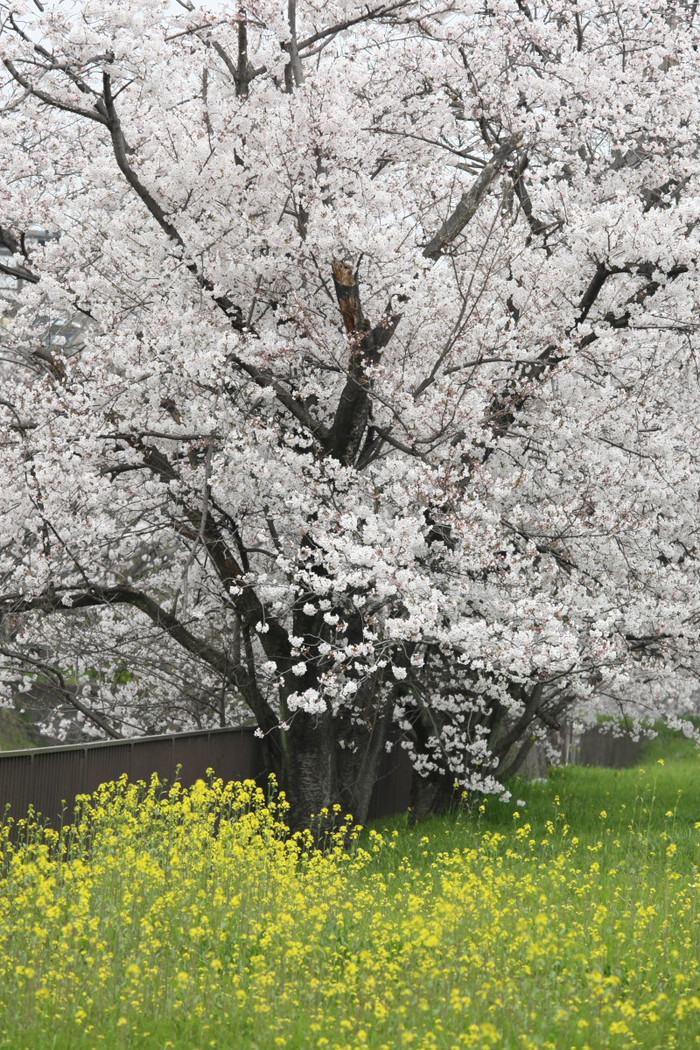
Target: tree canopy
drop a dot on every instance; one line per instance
(380, 422)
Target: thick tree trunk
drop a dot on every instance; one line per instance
(359, 763)
(308, 775)
(316, 773)
(432, 794)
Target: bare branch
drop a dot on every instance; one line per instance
(167, 435)
(526, 374)
(538, 227)
(19, 273)
(470, 201)
(376, 12)
(243, 73)
(50, 100)
(592, 291)
(366, 344)
(16, 246)
(199, 541)
(191, 30)
(49, 671)
(293, 74)
(94, 597)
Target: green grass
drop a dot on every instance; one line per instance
(189, 920)
(665, 779)
(15, 733)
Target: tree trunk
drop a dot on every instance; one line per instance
(317, 774)
(432, 794)
(359, 763)
(308, 775)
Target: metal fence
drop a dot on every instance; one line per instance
(595, 747)
(49, 778)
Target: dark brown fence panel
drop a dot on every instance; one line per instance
(58, 778)
(105, 763)
(238, 756)
(16, 771)
(392, 792)
(148, 757)
(595, 747)
(50, 778)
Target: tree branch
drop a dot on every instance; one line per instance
(53, 601)
(19, 273)
(50, 100)
(293, 73)
(518, 390)
(49, 671)
(366, 344)
(16, 246)
(233, 312)
(376, 12)
(470, 201)
(67, 600)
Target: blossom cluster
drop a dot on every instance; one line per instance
(385, 402)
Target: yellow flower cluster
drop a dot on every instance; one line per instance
(188, 919)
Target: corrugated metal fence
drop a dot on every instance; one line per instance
(49, 778)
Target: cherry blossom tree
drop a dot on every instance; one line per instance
(383, 422)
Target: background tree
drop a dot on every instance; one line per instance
(386, 413)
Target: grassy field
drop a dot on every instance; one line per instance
(15, 732)
(569, 920)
